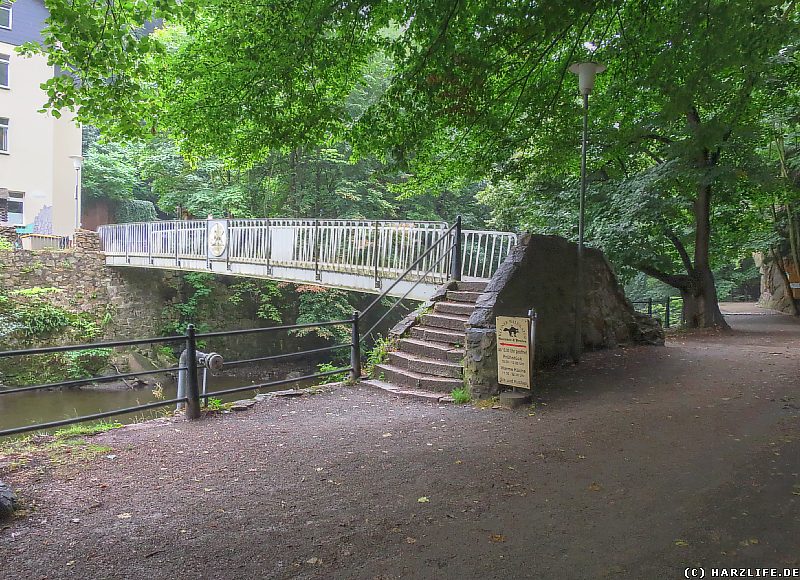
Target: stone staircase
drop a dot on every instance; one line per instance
(430, 358)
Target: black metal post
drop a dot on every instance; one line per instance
(649, 307)
(355, 350)
(666, 311)
(193, 388)
(455, 262)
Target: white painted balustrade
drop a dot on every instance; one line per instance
(349, 254)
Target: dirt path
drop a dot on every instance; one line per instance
(636, 464)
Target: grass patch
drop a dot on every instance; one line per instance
(216, 405)
(379, 354)
(39, 452)
(460, 396)
(487, 403)
(335, 378)
(82, 430)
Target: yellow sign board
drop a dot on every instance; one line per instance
(513, 351)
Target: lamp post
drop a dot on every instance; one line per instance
(77, 163)
(586, 71)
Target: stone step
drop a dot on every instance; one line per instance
(471, 286)
(434, 350)
(424, 365)
(448, 321)
(458, 308)
(437, 335)
(400, 376)
(403, 391)
(463, 296)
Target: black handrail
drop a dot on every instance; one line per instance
(92, 417)
(288, 355)
(76, 382)
(411, 267)
(280, 382)
(193, 397)
(403, 297)
(109, 344)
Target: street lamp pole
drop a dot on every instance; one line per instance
(77, 163)
(586, 72)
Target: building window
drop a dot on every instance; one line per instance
(3, 135)
(11, 208)
(5, 15)
(4, 68)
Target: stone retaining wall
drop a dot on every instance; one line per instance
(134, 298)
(540, 274)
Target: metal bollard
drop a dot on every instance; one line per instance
(210, 361)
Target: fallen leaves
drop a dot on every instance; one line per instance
(497, 538)
(423, 499)
(681, 543)
(594, 486)
(124, 516)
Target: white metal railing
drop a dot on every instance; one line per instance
(483, 251)
(380, 249)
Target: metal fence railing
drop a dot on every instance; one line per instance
(192, 397)
(669, 310)
(381, 249)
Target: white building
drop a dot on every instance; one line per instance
(37, 176)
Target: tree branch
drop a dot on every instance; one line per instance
(687, 262)
(680, 281)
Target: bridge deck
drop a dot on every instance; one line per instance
(350, 254)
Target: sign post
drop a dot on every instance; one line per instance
(514, 351)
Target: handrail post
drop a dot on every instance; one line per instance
(193, 389)
(316, 250)
(375, 252)
(127, 244)
(268, 249)
(649, 307)
(455, 262)
(149, 242)
(177, 247)
(666, 313)
(355, 350)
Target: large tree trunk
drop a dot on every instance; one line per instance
(700, 302)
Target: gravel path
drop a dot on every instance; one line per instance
(636, 464)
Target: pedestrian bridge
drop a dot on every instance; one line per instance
(406, 259)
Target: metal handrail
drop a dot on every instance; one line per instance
(383, 294)
(76, 382)
(92, 417)
(403, 297)
(193, 397)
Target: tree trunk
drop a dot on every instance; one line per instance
(701, 306)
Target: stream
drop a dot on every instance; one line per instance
(32, 407)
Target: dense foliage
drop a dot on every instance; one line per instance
(434, 96)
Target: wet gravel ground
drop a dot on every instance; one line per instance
(638, 463)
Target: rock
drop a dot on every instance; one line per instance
(8, 501)
(242, 405)
(540, 274)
